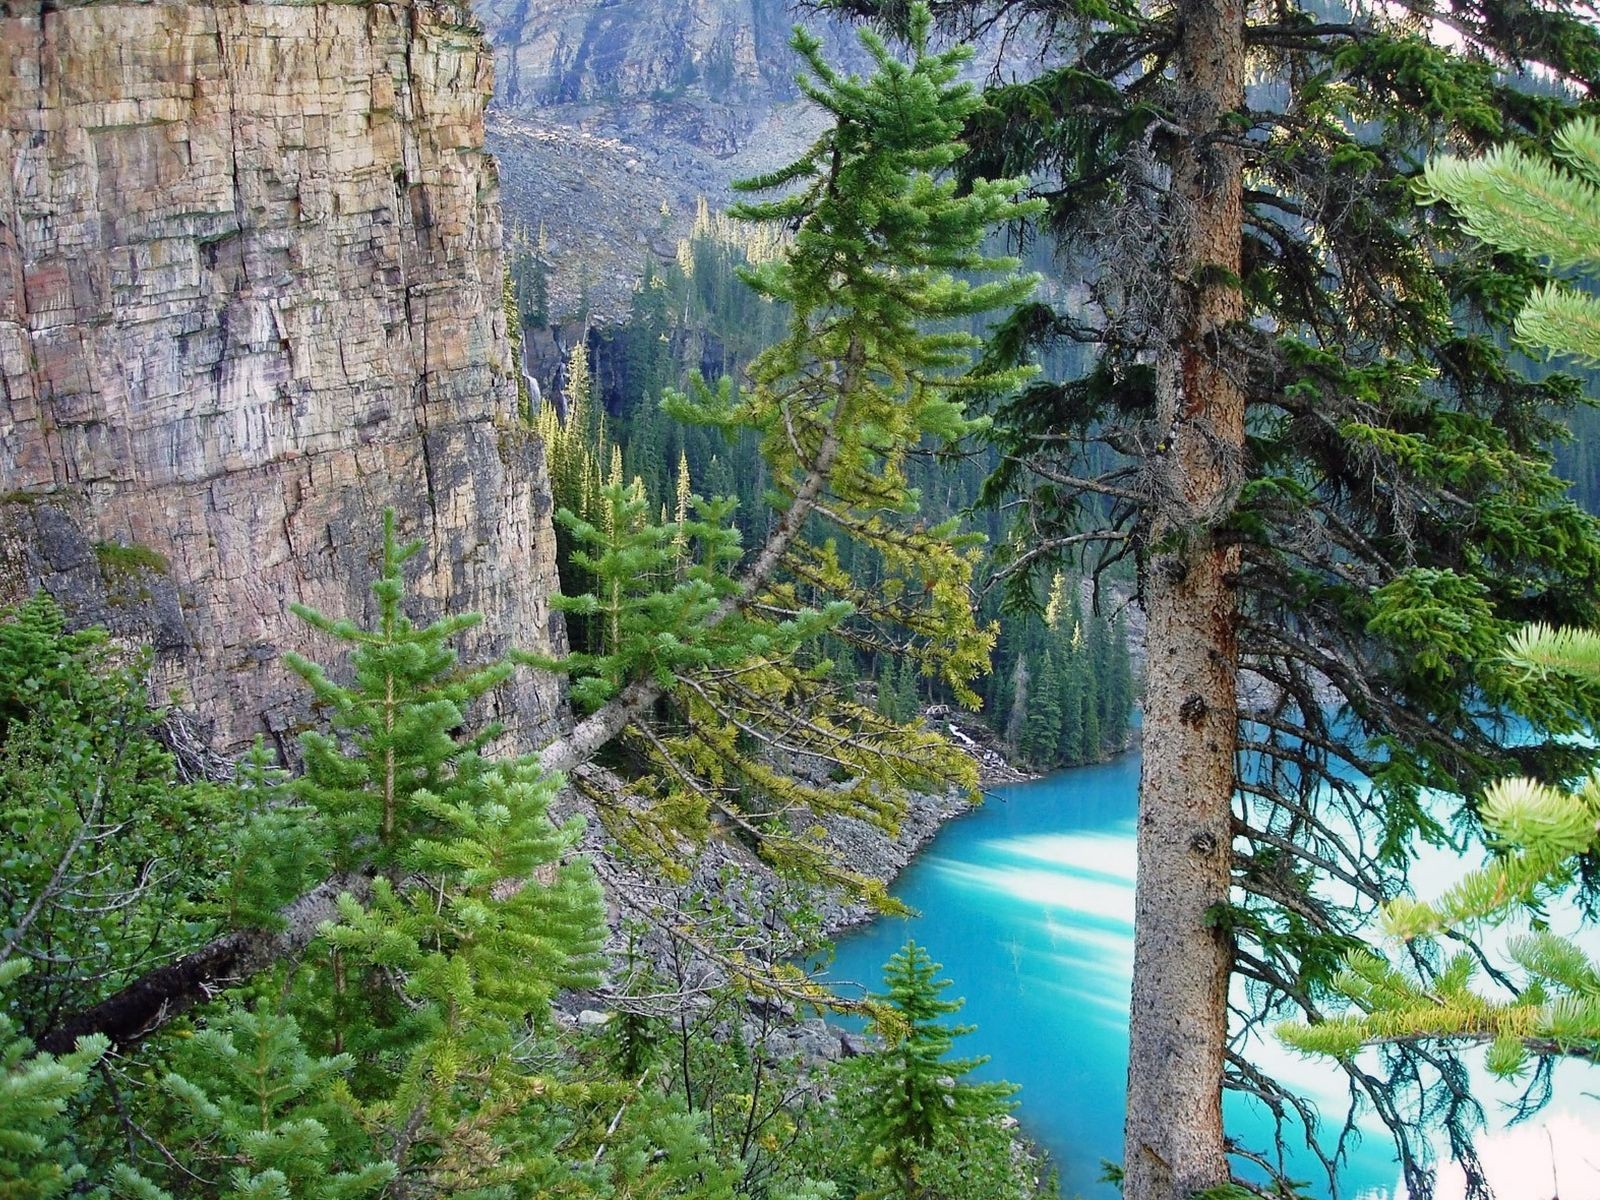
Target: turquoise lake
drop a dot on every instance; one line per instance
(1027, 902)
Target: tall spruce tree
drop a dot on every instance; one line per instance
(1300, 426)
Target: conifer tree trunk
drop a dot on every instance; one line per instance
(1179, 1016)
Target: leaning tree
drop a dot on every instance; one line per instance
(1300, 425)
(709, 669)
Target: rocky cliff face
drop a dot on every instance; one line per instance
(703, 72)
(250, 294)
(611, 119)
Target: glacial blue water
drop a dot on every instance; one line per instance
(1028, 904)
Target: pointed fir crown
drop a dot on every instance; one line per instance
(880, 227)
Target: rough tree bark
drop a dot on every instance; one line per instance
(139, 1009)
(1179, 1016)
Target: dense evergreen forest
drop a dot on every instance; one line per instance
(697, 317)
(847, 461)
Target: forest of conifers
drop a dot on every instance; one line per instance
(1302, 474)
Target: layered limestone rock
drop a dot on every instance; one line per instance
(251, 294)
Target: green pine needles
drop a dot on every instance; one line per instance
(401, 1043)
(37, 1160)
(97, 825)
(922, 1131)
(712, 649)
(1539, 833)
(1529, 204)
(260, 1122)
(399, 718)
(477, 912)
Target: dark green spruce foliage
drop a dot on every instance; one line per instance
(1076, 682)
(258, 1121)
(1542, 835)
(38, 1160)
(96, 829)
(917, 1128)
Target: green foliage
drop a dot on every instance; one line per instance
(916, 1128)
(259, 1122)
(1437, 618)
(399, 1044)
(718, 1047)
(657, 586)
(1079, 685)
(281, 850)
(1523, 202)
(861, 379)
(38, 1160)
(95, 827)
(393, 737)
(411, 1040)
(897, 698)
(129, 560)
(1540, 833)
(474, 919)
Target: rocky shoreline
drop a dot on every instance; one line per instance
(638, 897)
(882, 857)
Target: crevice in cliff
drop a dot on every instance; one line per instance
(436, 541)
(225, 65)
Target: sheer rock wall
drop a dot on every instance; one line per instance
(250, 294)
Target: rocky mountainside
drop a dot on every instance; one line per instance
(250, 294)
(700, 73)
(611, 118)
(606, 110)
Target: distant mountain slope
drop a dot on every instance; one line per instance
(703, 72)
(606, 109)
